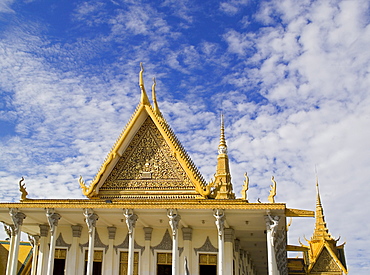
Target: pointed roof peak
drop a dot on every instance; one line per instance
(144, 97)
(222, 147)
(321, 232)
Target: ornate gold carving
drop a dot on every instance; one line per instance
(272, 195)
(245, 187)
(22, 188)
(147, 163)
(325, 263)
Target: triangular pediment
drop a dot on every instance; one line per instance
(327, 262)
(147, 164)
(147, 161)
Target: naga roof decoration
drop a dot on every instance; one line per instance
(147, 160)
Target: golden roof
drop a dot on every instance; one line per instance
(147, 160)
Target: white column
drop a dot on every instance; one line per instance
(53, 219)
(131, 219)
(271, 226)
(35, 242)
(187, 237)
(228, 250)
(10, 232)
(72, 255)
(17, 218)
(43, 250)
(109, 263)
(220, 219)
(174, 223)
(145, 263)
(90, 218)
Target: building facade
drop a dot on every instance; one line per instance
(149, 211)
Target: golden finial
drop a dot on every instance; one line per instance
(22, 188)
(320, 231)
(245, 187)
(144, 97)
(271, 197)
(289, 224)
(154, 98)
(222, 147)
(82, 184)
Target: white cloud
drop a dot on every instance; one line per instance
(232, 7)
(5, 6)
(314, 70)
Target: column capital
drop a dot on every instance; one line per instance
(17, 218)
(112, 232)
(271, 225)
(187, 233)
(53, 219)
(76, 230)
(220, 220)
(34, 240)
(148, 233)
(131, 219)
(90, 219)
(229, 235)
(44, 229)
(174, 220)
(9, 230)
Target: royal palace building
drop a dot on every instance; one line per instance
(149, 211)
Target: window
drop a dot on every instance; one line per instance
(164, 263)
(60, 256)
(207, 264)
(123, 263)
(97, 264)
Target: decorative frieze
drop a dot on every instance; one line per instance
(124, 245)
(97, 243)
(206, 247)
(61, 243)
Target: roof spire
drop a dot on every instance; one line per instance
(321, 231)
(224, 188)
(144, 97)
(154, 98)
(222, 147)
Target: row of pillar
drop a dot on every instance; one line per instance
(131, 218)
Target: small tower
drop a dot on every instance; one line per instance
(324, 255)
(222, 176)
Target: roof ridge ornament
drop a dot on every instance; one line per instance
(222, 147)
(144, 97)
(271, 197)
(154, 98)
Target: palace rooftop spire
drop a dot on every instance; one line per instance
(321, 231)
(222, 176)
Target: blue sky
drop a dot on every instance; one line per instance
(292, 78)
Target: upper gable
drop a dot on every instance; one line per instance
(147, 167)
(327, 263)
(147, 161)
